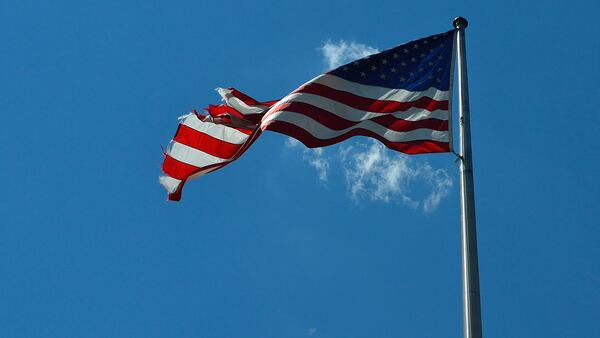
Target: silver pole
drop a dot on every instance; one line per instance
(470, 265)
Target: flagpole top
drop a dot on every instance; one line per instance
(460, 22)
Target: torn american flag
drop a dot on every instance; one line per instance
(401, 97)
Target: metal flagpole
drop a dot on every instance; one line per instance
(470, 265)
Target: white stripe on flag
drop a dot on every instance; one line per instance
(171, 184)
(353, 114)
(319, 131)
(191, 156)
(238, 104)
(218, 131)
(379, 93)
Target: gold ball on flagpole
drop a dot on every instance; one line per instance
(460, 22)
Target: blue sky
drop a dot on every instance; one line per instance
(267, 247)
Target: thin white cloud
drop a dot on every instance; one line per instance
(341, 52)
(374, 172)
(315, 157)
(312, 331)
(440, 183)
(370, 170)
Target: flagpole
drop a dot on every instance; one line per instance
(470, 265)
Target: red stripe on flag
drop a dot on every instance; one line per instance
(177, 169)
(371, 105)
(183, 171)
(250, 101)
(204, 142)
(218, 110)
(337, 122)
(180, 166)
(411, 147)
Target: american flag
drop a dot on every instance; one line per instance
(205, 143)
(400, 96)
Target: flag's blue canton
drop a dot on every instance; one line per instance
(415, 66)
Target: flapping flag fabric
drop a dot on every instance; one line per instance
(401, 96)
(205, 143)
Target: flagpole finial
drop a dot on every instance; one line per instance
(460, 22)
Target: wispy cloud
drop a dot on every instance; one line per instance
(376, 173)
(338, 53)
(440, 183)
(371, 171)
(315, 157)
